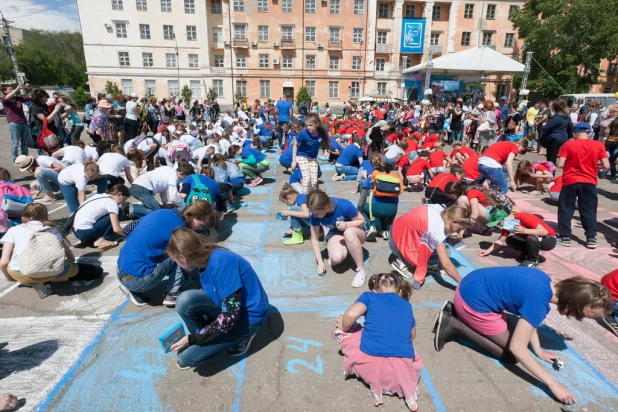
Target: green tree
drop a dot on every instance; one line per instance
(80, 96)
(149, 92)
(302, 96)
(112, 88)
(212, 94)
(238, 96)
(186, 94)
(569, 39)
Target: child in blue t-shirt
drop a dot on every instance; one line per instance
(306, 149)
(252, 163)
(297, 211)
(381, 352)
(346, 163)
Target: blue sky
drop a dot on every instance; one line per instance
(56, 15)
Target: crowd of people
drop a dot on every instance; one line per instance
(142, 148)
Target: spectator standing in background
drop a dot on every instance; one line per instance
(18, 124)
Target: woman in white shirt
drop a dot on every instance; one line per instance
(91, 151)
(111, 165)
(71, 154)
(74, 179)
(45, 169)
(132, 117)
(163, 181)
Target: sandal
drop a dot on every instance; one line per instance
(402, 270)
(108, 247)
(43, 289)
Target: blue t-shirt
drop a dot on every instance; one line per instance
(189, 183)
(301, 199)
(284, 107)
(145, 246)
(388, 325)
(296, 176)
(286, 156)
(309, 146)
(344, 211)
(262, 130)
(225, 274)
(334, 145)
(247, 151)
(290, 137)
(350, 155)
(264, 115)
(520, 290)
(234, 170)
(221, 175)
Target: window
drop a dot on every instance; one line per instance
(435, 39)
(190, 6)
(310, 34)
(436, 13)
(151, 87)
(491, 12)
(512, 10)
(286, 6)
(383, 10)
(607, 90)
(382, 37)
(144, 31)
(333, 90)
(335, 6)
(357, 36)
(219, 59)
(310, 86)
(487, 35)
(170, 60)
(334, 63)
(123, 58)
(168, 32)
(264, 61)
(501, 90)
(509, 40)
(263, 33)
(166, 6)
(612, 70)
(406, 62)
(239, 5)
(196, 89)
(240, 32)
(121, 30)
(117, 5)
(287, 33)
(465, 38)
(310, 61)
(287, 61)
(147, 59)
(354, 90)
(469, 11)
(193, 60)
(381, 87)
(217, 34)
(359, 6)
(264, 88)
(262, 6)
(241, 61)
(334, 34)
(310, 6)
(215, 7)
(356, 62)
(410, 12)
(173, 88)
(126, 85)
(380, 62)
(191, 33)
(241, 87)
(141, 5)
(217, 85)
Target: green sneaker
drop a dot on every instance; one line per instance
(296, 239)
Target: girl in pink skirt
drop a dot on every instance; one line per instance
(381, 352)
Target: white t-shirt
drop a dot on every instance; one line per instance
(47, 162)
(127, 145)
(91, 152)
(73, 175)
(144, 146)
(187, 139)
(19, 237)
(225, 145)
(113, 164)
(242, 115)
(73, 155)
(228, 119)
(131, 105)
(393, 152)
(162, 179)
(92, 210)
(201, 152)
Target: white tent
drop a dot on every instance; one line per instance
(475, 60)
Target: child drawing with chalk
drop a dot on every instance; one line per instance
(297, 211)
(381, 352)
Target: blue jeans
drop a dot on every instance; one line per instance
(456, 135)
(350, 172)
(70, 192)
(297, 223)
(264, 142)
(612, 148)
(495, 176)
(102, 228)
(237, 184)
(48, 180)
(166, 268)
(146, 197)
(197, 310)
(19, 134)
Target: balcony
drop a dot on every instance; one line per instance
(217, 70)
(383, 48)
(241, 44)
(435, 49)
(287, 44)
(334, 45)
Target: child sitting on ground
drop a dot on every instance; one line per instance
(534, 174)
(394, 152)
(381, 353)
(297, 211)
(610, 281)
(554, 188)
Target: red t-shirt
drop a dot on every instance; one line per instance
(479, 195)
(471, 167)
(360, 133)
(610, 281)
(530, 221)
(582, 157)
(412, 146)
(402, 162)
(378, 114)
(454, 153)
(541, 168)
(350, 130)
(429, 145)
(341, 130)
(432, 138)
(417, 167)
(391, 138)
(441, 179)
(500, 151)
(557, 187)
(436, 159)
(467, 151)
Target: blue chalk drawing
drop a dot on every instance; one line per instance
(319, 364)
(305, 342)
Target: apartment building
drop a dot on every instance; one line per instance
(338, 49)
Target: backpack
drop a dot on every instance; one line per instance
(48, 141)
(386, 184)
(43, 255)
(180, 151)
(198, 192)
(501, 199)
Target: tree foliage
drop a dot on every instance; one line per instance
(569, 39)
(212, 94)
(112, 88)
(186, 94)
(302, 96)
(80, 96)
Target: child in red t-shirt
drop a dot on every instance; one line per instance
(610, 281)
(554, 187)
(535, 175)
(438, 160)
(418, 168)
(478, 201)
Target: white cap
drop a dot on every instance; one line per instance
(134, 95)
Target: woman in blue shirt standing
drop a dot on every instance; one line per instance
(226, 313)
(306, 149)
(344, 166)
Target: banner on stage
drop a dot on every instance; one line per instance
(412, 36)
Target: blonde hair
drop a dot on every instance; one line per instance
(455, 214)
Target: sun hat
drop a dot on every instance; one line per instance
(24, 162)
(497, 215)
(104, 104)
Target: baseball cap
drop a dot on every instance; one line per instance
(503, 98)
(134, 95)
(24, 162)
(582, 127)
(497, 215)
(149, 134)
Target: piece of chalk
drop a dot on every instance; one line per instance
(559, 363)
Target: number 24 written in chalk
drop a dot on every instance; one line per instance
(304, 348)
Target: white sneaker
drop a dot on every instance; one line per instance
(385, 234)
(359, 279)
(46, 200)
(371, 234)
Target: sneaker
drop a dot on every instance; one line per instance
(241, 348)
(441, 323)
(386, 234)
(529, 263)
(45, 200)
(591, 243)
(370, 235)
(564, 241)
(296, 239)
(611, 323)
(337, 177)
(255, 181)
(448, 306)
(170, 299)
(416, 285)
(359, 279)
(137, 298)
(181, 366)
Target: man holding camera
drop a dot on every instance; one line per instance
(18, 124)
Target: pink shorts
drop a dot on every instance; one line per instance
(488, 324)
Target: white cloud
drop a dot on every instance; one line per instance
(55, 15)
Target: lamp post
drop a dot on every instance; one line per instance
(177, 62)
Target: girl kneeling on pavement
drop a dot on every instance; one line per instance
(297, 211)
(382, 202)
(252, 162)
(226, 313)
(143, 264)
(344, 232)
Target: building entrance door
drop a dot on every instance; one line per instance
(288, 92)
